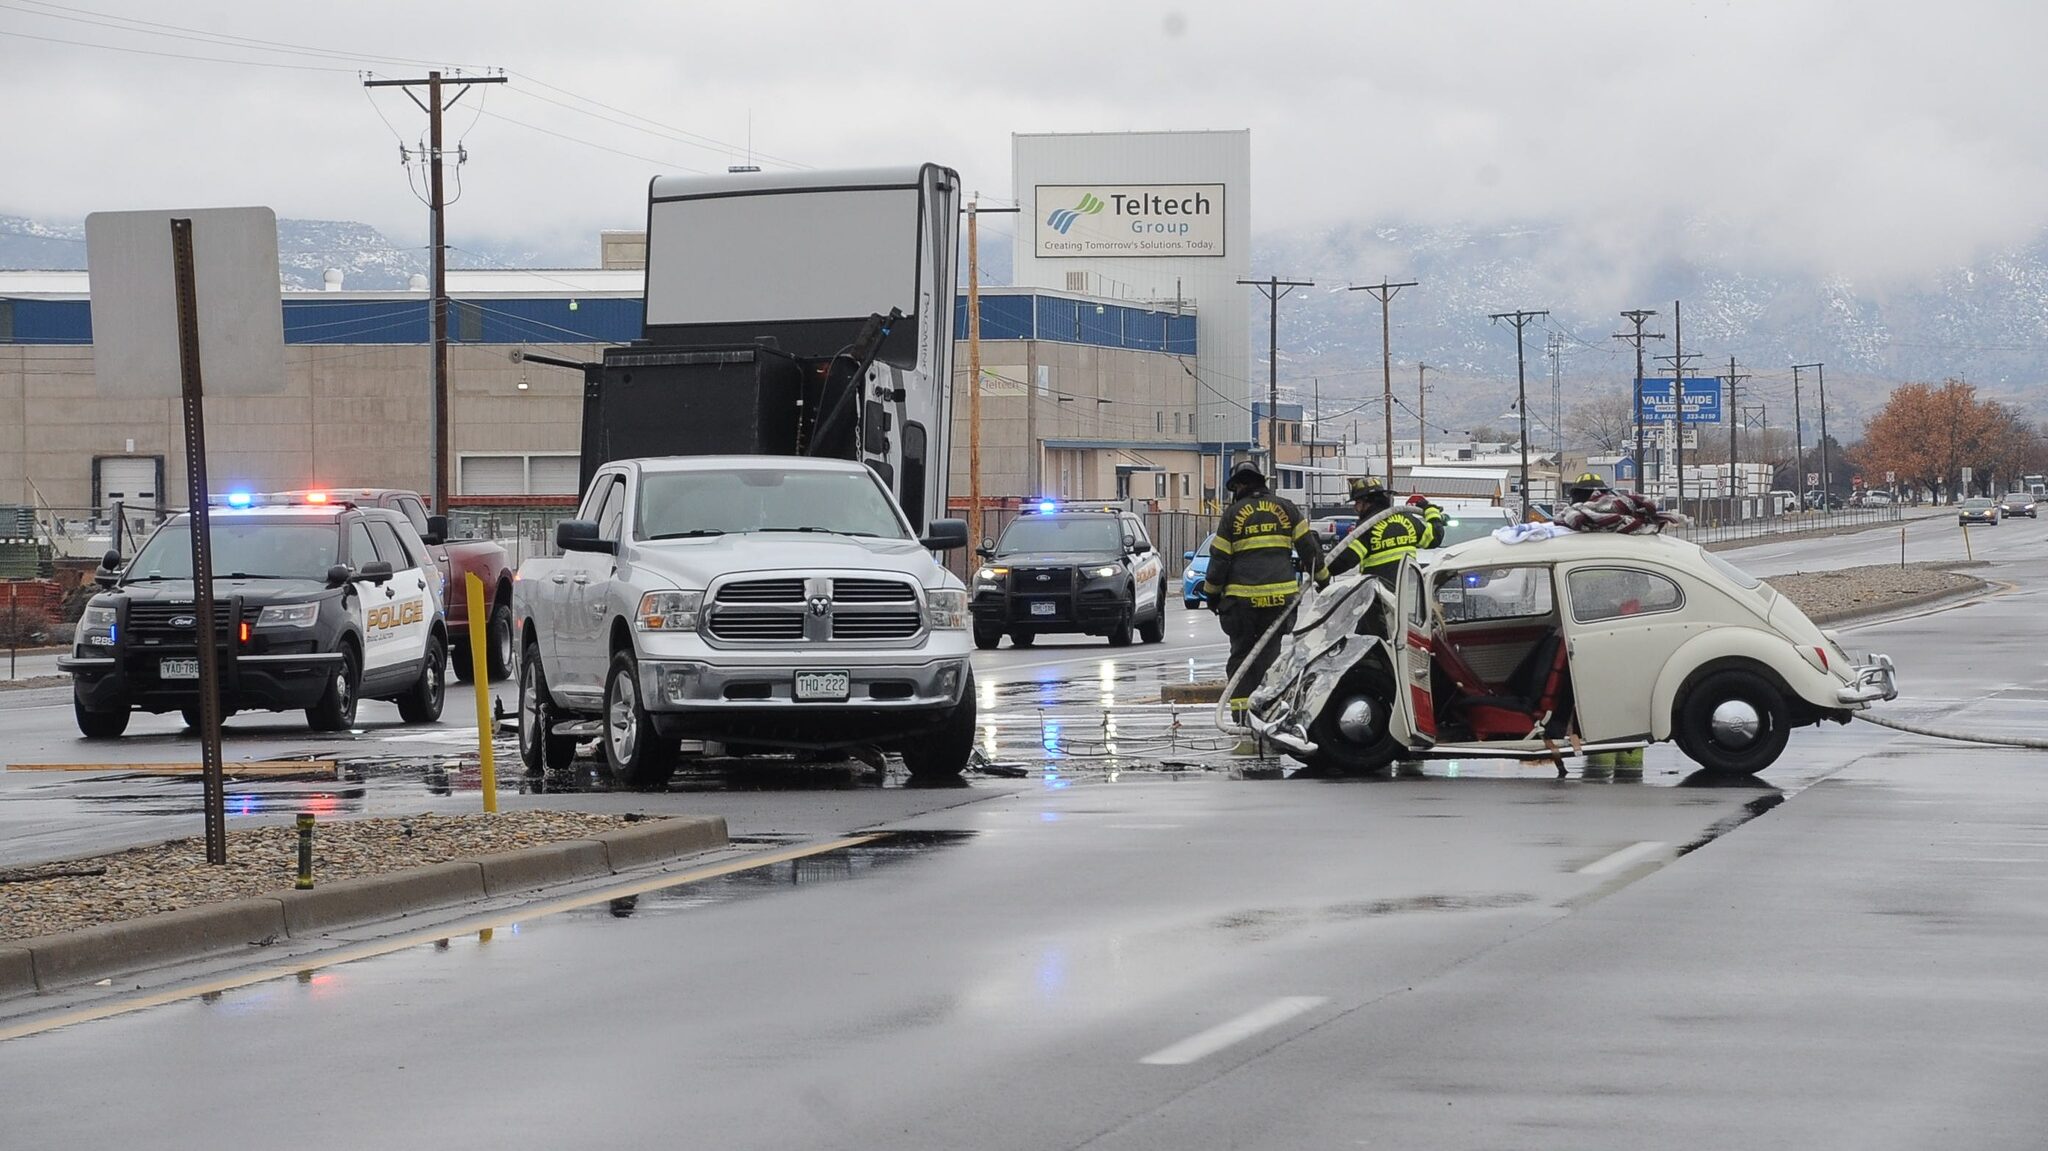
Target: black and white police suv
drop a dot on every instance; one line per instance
(315, 606)
(1062, 568)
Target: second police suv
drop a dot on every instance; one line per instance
(1069, 569)
(317, 604)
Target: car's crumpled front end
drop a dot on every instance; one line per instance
(1330, 633)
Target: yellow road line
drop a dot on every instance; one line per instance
(421, 937)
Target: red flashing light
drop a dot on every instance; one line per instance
(316, 497)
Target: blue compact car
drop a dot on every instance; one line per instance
(1191, 579)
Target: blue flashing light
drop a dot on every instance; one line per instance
(238, 499)
(1047, 506)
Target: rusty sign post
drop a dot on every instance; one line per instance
(202, 542)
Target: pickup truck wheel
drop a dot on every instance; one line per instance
(1352, 735)
(945, 752)
(336, 710)
(422, 702)
(987, 638)
(539, 751)
(637, 755)
(498, 643)
(1154, 630)
(96, 724)
(1733, 723)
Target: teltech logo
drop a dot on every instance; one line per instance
(1125, 220)
(1063, 218)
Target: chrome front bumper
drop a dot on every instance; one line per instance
(692, 685)
(1875, 681)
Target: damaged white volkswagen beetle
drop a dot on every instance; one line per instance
(1586, 641)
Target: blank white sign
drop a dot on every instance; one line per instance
(808, 255)
(135, 301)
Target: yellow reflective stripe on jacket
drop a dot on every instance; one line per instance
(1219, 544)
(1272, 541)
(1300, 529)
(1383, 558)
(1258, 589)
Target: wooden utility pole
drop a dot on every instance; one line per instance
(437, 204)
(1385, 292)
(1734, 502)
(1823, 485)
(974, 368)
(1521, 320)
(1421, 416)
(1636, 317)
(1273, 287)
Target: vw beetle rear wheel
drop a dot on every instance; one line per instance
(1733, 723)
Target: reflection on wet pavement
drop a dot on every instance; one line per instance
(827, 867)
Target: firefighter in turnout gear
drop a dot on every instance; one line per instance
(1380, 550)
(1251, 579)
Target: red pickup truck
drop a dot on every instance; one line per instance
(455, 559)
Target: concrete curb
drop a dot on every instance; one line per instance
(1191, 692)
(50, 962)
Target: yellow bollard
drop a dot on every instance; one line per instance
(479, 631)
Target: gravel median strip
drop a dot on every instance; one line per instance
(1838, 596)
(263, 861)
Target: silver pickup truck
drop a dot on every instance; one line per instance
(760, 602)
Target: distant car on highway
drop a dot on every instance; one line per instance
(1978, 510)
(1587, 641)
(1191, 594)
(2018, 504)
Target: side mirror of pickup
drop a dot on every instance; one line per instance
(581, 536)
(945, 535)
(437, 531)
(376, 571)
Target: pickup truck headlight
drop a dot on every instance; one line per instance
(96, 627)
(991, 575)
(288, 615)
(669, 611)
(1103, 572)
(945, 609)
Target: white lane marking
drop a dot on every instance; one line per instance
(1233, 1032)
(1622, 858)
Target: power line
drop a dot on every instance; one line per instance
(225, 39)
(175, 55)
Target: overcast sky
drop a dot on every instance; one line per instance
(1877, 140)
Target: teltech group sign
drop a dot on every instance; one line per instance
(1129, 220)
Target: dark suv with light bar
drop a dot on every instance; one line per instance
(315, 607)
(1062, 569)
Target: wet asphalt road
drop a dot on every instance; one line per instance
(1101, 955)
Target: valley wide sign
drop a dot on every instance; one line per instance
(1129, 220)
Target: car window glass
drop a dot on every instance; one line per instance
(1612, 593)
(360, 550)
(1495, 593)
(256, 547)
(1061, 534)
(611, 516)
(390, 548)
(1418, 604)
(594, 500)
(414, 512)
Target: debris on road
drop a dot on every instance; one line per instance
(168, 876)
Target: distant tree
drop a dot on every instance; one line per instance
(1605, 425)
(1927, 435)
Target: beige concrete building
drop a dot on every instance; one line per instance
(1082, 398)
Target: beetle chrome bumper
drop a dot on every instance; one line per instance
(1875, 681)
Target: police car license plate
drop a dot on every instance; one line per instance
(177, 669)
(1044, 607)
(813, 685)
